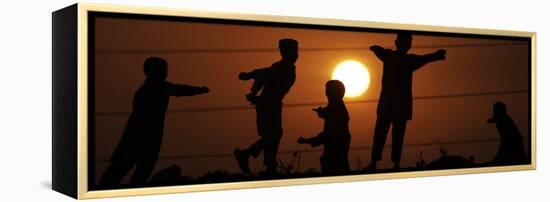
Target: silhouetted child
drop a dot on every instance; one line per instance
(396, 102)
(274, 82)
(335, 136)
(142, 136)
(511, 149)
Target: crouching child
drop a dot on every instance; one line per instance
(511, 149)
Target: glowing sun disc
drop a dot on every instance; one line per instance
(354, 75)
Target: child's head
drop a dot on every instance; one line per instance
(155, 68)
(499, 108)
(403, 41)
(335, 90)
(289, 49)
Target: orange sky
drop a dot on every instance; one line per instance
(118, 74)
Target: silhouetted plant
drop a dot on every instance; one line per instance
(358, 163)
(420, 163)
(443, 151)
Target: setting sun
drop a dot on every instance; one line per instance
(354, 75)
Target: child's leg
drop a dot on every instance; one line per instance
(398, 134)
(115, 172)
(143, 171)
(242, 155)
(271, 132)
(271, 146)
(380, 134)
(255, 148)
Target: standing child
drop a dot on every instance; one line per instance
(335, 136)
(396, 101)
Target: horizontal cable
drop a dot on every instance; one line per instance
(225, 155)
(305, 104)
(255, 50)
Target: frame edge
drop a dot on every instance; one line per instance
(84, 8)
(64, 101)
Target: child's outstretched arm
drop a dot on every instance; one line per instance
(321, 112)
(260, 76)
(421, 60)
(186, 90)
(493, 119)
(313, 141)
